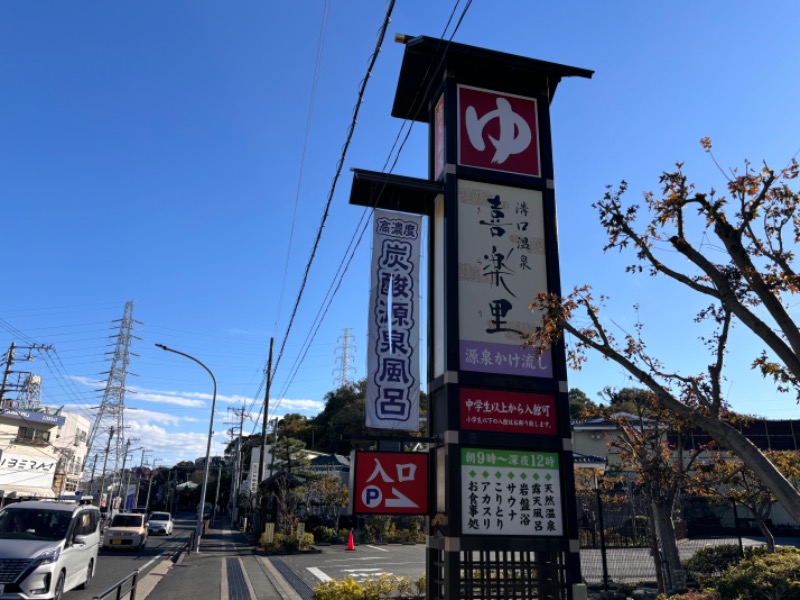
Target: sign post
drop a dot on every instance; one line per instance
(503, 519)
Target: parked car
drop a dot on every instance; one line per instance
(126, 530)
(47, 548)
(160, 523)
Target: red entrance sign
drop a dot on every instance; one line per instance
(498, 131)
(508, 412)
(390, 483)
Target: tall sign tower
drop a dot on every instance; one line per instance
(503, 516)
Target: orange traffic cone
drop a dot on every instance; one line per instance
(350, 544)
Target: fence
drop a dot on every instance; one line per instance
(617, 546)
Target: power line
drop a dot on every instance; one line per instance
(363, 223)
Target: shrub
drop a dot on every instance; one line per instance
(763, 576)
(324, 534)
(282, 542)
(376, 588)
(710, 562)
(691, 596)
(339, 589)
(307, 541)
(635, 527)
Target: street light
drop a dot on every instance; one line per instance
(201, 505)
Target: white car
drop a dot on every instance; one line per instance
(47, 548)
(160, 523)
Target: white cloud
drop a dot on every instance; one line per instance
(287, 405)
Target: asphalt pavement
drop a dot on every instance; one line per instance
(226, 567)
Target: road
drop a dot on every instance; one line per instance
(365, 561)
(115, 565)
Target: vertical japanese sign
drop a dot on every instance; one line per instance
(393, 333)
(502, 266)
(510, 492)
(255, 457)
(390, 483)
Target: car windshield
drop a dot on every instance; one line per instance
(159, 517)
(34, 524)
(127, 521)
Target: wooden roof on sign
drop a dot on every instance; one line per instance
(394, 192)
(425, 60)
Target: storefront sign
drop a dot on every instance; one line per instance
(502, 266)
(393, 335)
(498, 131)
(390, 483)
(510, 492)
(27, 470)
(508, 412)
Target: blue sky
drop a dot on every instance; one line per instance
(179, 155)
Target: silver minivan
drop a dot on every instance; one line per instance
(47, 548)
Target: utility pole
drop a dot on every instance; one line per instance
(263, 455)
(91, 479)
(124, 460)
(139, 480)
(236, 477)
(103, 477)
(29, 385)
(274, 445)
(6, 373)
(216, 496)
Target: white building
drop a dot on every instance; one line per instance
(28, 459)
(70, 442)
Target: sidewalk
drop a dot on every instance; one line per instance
(226, 568)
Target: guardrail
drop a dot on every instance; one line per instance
(117, 588)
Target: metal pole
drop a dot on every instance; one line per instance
(602, 535)
(201, 504)
(736, 525)
(91, 478)
(216, 496)
(102, 491)
(122, 472)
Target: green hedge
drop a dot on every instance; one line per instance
(763, 576)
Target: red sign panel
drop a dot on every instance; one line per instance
(508, 412)
(390, 483)
(438, 140)
(498, 131)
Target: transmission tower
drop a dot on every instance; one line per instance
(344, 372)
(110, 420)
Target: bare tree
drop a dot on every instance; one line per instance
(757, 225)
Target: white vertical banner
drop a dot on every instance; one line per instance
(394, 312)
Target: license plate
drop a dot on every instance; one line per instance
(116, 541)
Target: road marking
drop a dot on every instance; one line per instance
(223, 584)
(146, 584)
(376, 548)
(247, 581)
(317, 572)
(159, 557)
(278, 580)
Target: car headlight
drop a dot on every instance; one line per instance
(45, 558)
